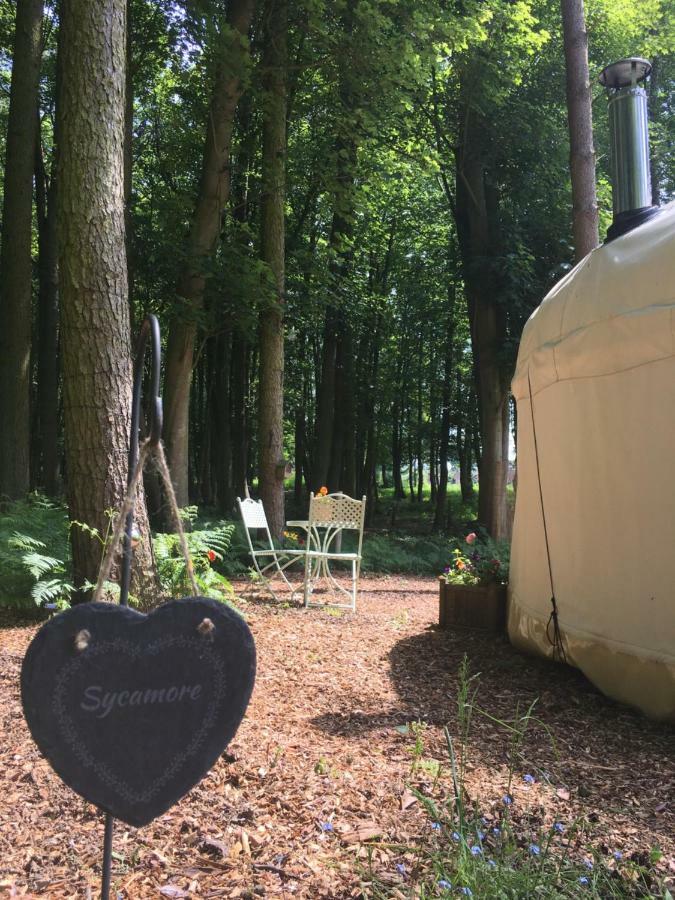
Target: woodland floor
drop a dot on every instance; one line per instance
(323, 743)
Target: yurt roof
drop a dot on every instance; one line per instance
(614, 311)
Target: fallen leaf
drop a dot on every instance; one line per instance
(170, 890)
(366, 831)
(407, 800)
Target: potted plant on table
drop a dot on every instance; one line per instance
(473, 584)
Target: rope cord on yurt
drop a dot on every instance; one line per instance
(556, 641)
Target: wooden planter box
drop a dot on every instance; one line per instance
(473, 606)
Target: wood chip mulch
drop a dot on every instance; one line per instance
(315, 788)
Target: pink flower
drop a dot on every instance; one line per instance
(470, 538)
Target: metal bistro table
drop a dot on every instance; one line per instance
(328, 518)
(317, 548)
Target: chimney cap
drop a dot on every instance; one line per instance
(625, 72)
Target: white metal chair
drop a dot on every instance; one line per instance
(254, 518)
(332, 514)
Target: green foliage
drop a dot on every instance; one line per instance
(34, 553)
(478, 559)
(208, 547)
(35, 556)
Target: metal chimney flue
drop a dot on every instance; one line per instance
(629, 135)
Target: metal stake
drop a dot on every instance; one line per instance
(150, 327)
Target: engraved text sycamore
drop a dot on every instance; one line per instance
(96, 700)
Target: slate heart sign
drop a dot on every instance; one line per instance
(132, 710)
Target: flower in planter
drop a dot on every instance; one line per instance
(486, 563)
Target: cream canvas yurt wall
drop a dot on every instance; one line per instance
(600, 356)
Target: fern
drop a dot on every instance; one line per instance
(53, 591)
(25, 542)
(34, 552)
(209, 541)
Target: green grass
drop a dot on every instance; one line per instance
(499, 852)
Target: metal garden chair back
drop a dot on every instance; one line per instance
(329, 516)
(274, 561)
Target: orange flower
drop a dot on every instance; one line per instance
(460, 564)
(211, 555)
(322, 492)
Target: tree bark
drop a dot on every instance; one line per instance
(328, 458)
(15, 252)
(239, 388)
(476, 231)
(129, 160)
(271, 463)
(205, 229)
(440, 510)
(95, 334)
(580, 119)
(47, 432)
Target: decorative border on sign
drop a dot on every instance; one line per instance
(104, 772)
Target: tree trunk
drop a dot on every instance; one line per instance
(397, 449)
(420, 436)
(579, 116)
(47, 430)
(129, 159)
(15, 252)
(239, 382)
(271, 463)
(325, 414)
(95, 339)
(476, 230)
(204, 231)
(328, 457)
(440, 511)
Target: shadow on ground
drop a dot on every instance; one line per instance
(605, 755)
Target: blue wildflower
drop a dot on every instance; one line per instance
(588, 863)
(445, 885)
(326, 826)
(456, 836)
(496, 831)
(583, 880)
(400, 868)
(476, 851)
(436, 826)
(559, 827)
(535, 849)
(617, 855)
(529, 779)
(507, 799)
(466, 891)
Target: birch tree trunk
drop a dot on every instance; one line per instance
(204, 232)
(15, 252)
(271, 343)
(580, 119)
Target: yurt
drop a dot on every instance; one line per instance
(593, 553)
